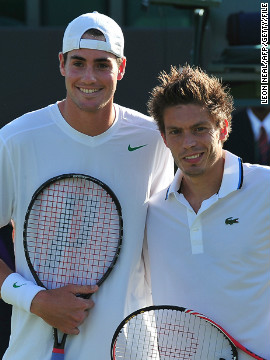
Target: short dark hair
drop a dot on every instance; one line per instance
(190, 85)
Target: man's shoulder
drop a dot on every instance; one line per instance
(25, 122)
(255, 170)
(159, 198)
(136, 118)
(257, 176)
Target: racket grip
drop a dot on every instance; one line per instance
(84, 296)
(58, 354)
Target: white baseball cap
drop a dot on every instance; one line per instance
(111, 30)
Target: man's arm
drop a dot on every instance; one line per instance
(5, 271)
(60, 308)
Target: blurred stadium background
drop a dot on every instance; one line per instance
(158, 33)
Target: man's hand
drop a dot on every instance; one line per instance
(62, 309)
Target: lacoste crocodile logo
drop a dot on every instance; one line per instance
(231, 221)
(17, 286)
(136, 147)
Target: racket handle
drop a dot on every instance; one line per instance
(84, 296)
(58, 355)
(58, 352)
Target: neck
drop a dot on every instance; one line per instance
(90, 123)
(196, 189)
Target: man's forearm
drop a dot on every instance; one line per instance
(5, 271)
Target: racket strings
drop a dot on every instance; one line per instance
(164, 334)
(72, 233)
(172, 333)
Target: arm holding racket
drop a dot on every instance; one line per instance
(62, 309)
(72, 238)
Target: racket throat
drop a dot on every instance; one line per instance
(58, 346)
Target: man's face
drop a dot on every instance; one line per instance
(91, 77)
(193, 138)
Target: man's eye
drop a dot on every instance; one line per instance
(174, 132)
(103, 66)
(200, 129)
(78, 64)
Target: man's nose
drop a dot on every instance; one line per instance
(189, 140)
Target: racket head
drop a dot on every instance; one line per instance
(169, 332)
(73, 231)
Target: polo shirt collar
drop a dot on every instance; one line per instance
(232, 176)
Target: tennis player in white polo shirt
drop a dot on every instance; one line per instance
(208, 234)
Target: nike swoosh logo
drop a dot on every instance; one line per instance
(135, 148)
(17, 286)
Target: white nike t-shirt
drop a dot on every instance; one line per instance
(132, 160)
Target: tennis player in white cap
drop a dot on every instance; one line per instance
(84, 133)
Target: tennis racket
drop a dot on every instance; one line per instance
(72, 235)
(172, 332)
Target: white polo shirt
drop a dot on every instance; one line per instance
(217, 261)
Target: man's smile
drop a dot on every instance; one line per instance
(88, 91)
(192, 156)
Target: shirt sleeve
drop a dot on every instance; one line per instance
(163, 168)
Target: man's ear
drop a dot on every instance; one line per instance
(61, 64)
(122, 68)
(224, 131)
